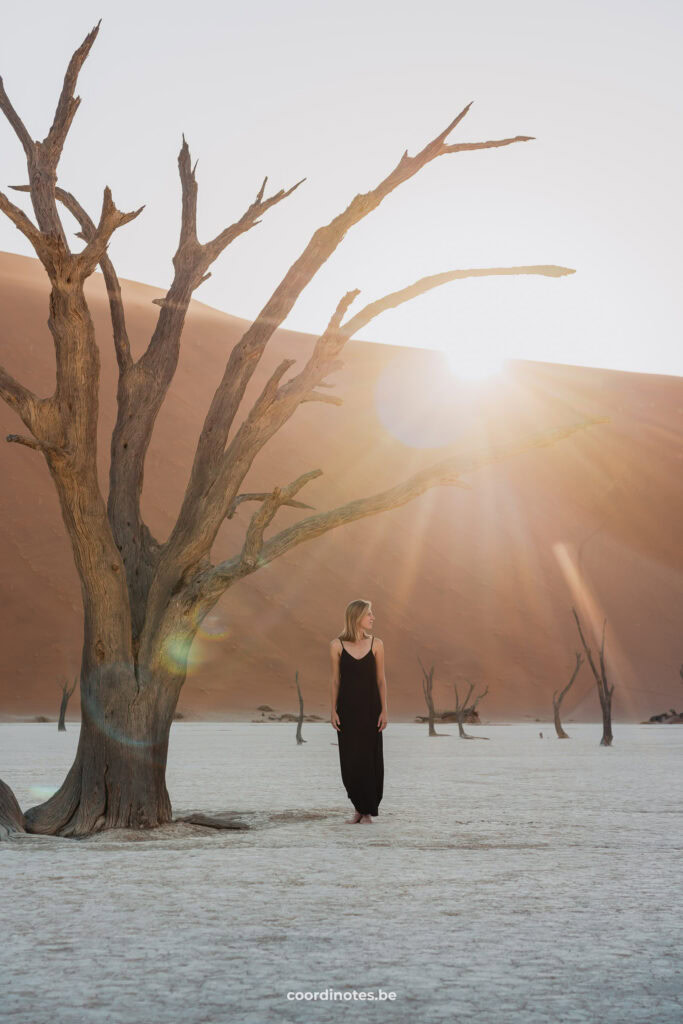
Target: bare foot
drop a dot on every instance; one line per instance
(355, 819)
(365, 820)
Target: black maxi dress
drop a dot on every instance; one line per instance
(360, 740)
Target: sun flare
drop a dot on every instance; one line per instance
(473, 364)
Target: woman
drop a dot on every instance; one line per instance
(359, 710)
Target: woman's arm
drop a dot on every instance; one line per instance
(381, 683)
(335, 654)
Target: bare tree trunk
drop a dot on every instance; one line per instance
(118, 776)
(561, 734)
(66, 695)
(605, 691)
(427, 689)
(299, 723)
(557, 700)
(462, 708)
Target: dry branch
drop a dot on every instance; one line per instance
(116, 308)
(43, 157)
(207, 498)
(261, 496)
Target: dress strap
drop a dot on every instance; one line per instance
(342, 643)
(372, 641)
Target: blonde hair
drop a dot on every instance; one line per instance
(354, 613)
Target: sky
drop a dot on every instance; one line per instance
(335, 92)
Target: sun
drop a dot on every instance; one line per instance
(472, 364)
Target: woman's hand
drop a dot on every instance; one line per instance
(334, 718)
(382, 721)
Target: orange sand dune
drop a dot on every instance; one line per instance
(477, 582)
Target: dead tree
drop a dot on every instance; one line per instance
(605, 691)
(141, 596)
(66, 695)
(427, 687)
(299, 738)
(461, 708)
(557, 700)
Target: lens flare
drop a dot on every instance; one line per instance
(180, 655)
(423, 404)
(212, 628)
(42, 793)
(474, 364)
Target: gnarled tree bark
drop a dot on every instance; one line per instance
(144, 601)
(11, 818)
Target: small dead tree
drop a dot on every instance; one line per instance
(67, 692)
(427, 688)
(299, 738)
(462, 708)
(143, 597)
(557, 699)
(605, 691)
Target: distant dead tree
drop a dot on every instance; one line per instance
(141, 596)
(557, 700)
(605, 691)
(462, 708)
(427, 688)
(66, 694)
(299, 738)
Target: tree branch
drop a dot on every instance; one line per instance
(19, 398)
(68, 104)
(480, 697)
(275, 406)
(16, 122)
(337, 334)
(188, 540)
(87, 233)
(39, 446)
(589, 653)
(110, 220)
(579, 662)
(210, 584)
(144, 385)
(263, 517)
(24, 224)
(260, 496)
(192, 260)
(425, 284)
(43, 157)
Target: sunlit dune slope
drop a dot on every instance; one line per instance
(478, 582)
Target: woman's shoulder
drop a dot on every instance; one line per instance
(377, 642)
(336, 644)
